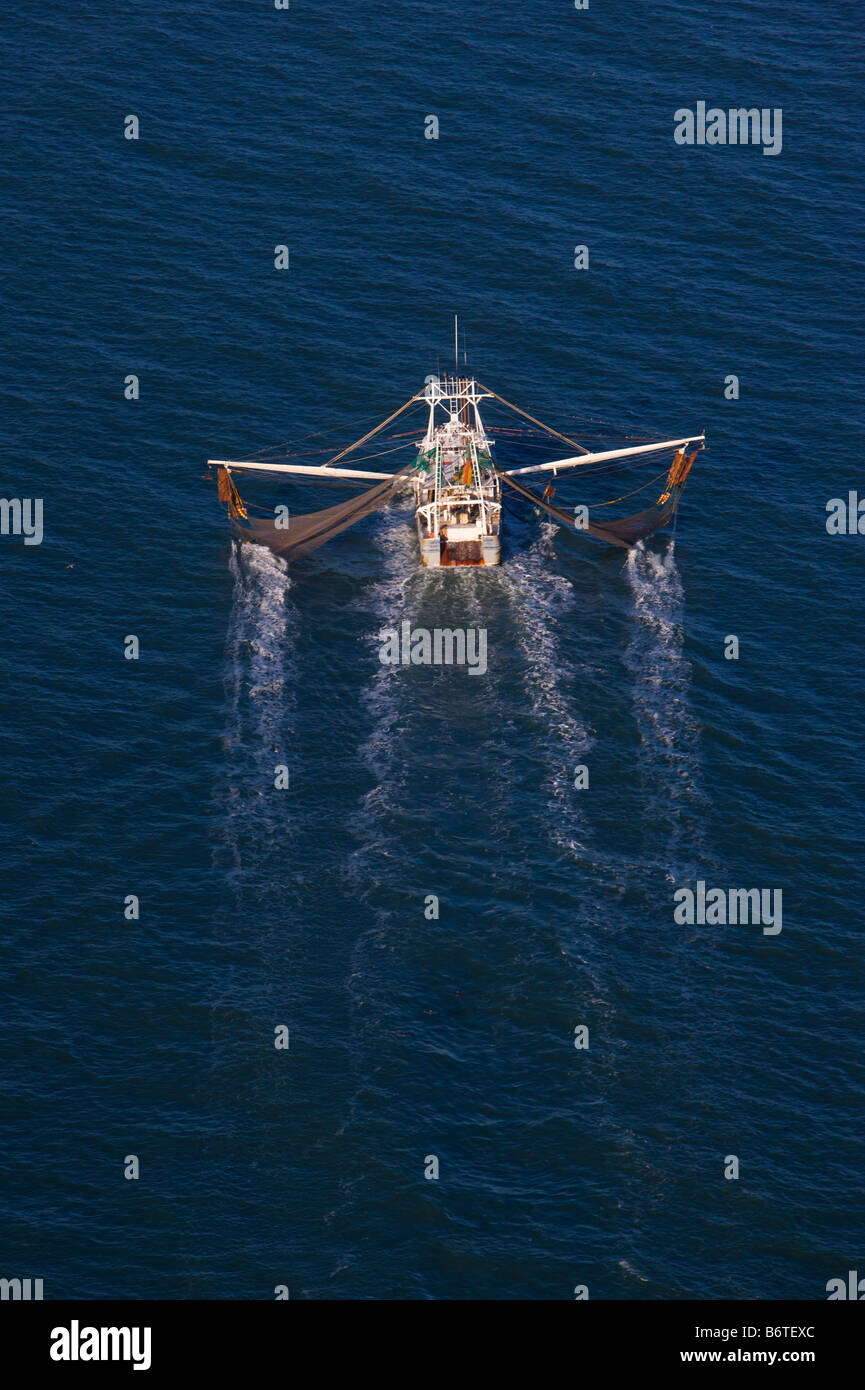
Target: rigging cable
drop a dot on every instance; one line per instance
(412, 400)
(540, 423)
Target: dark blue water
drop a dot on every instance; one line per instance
(260, 907)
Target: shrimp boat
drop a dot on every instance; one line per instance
(456, 485)
(458, 509)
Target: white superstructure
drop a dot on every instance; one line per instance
(457, 493)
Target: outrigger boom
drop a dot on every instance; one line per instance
(607, 454)
(456, 483)
(254, 467)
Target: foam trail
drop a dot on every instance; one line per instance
(670, 757)
(389, 599)
(397, 594)
(541, 596)
(260, 667)
(259, 685)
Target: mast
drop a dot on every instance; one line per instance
(456, 344)
(433, 391)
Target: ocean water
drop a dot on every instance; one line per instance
(305, 908)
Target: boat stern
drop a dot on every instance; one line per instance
(459, 545)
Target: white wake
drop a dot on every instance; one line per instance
(670, 759)
(542, 601)
(260, 701)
